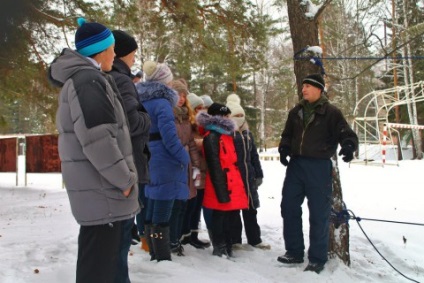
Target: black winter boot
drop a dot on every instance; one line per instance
(177, 248)
(161, 244)
(198, 244)
(185, 239)
(148, 234)
(220, 250)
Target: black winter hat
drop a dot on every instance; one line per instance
(218, 109)
(124, 43)
(316, 80)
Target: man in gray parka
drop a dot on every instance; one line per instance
(95, 150)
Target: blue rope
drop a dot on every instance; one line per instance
(343, 216)
(371, 58)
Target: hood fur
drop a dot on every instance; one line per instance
(152, 90)
(216, 123)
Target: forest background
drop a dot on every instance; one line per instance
(219, 47)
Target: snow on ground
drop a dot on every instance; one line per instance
(38, 233)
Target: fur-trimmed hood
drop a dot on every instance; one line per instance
(152, 90)
(216, 123)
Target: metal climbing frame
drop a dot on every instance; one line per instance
(372, 117)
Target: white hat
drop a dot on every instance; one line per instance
(233, 102)
(194, 100)
(207, 100)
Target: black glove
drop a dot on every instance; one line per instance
(347, 151)
(284, 152)
(258, 182)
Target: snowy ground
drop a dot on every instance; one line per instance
(38, 235)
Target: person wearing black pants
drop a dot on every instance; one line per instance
(313, 130)
(139, 124)
(224, 188)
(92, 240)
(252, 175)
(95, 150)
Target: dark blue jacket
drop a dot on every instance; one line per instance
(249, 164)
(169, 160)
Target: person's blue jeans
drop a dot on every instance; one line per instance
(124, 247)
(141, 216)
(159, 211)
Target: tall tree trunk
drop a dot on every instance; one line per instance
(304, 32)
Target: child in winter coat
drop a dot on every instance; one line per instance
(193, 213)
(169, 161)
(184, 120)
(251, 172)
(224, 189)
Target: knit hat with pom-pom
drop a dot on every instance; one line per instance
(92, 38)
(233, 102)
(159, 72)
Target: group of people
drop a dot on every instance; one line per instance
(153, 153)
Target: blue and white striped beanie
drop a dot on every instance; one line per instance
(92, 38)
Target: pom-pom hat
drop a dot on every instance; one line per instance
(157, 72)
(233, 102)
(92, 38)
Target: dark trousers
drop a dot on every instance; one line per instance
(222, 221)
(176, 220)
(310, 178)
(193, 213)
(98, 252)
(159, 211)
(207, 216)
(141, 216)
(251, 227)
(122, 275)
(188, 215)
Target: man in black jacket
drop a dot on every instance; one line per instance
(139, 124)
(313, 130)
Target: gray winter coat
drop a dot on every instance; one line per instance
(94, 142)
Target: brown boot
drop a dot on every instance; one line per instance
(144, 246)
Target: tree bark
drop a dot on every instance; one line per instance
(304, 32)
(339, 237)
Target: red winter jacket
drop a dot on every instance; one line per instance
(224, 188)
